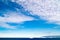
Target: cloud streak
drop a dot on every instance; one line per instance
(13, 17)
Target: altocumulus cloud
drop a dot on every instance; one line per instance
(46, 9)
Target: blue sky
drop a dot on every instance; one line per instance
(32, 19)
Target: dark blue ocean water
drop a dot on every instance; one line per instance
(29, 38)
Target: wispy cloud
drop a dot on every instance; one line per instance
(47, 9)
(13, 17)
(5, 25)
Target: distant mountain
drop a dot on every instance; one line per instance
(57, 36)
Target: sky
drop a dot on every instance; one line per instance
(29, 18)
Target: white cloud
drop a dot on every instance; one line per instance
(5, 25)
(47, 9)
(13, 17)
